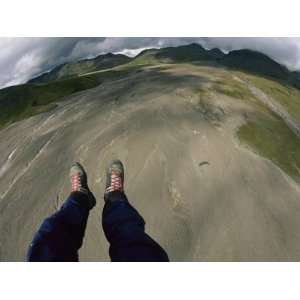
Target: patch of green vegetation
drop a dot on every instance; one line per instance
(22, 101)
(203, 93)
(270, 137)
(233, 89)
(286, 95)
(142, 61)
(265, 133)
(34, 110)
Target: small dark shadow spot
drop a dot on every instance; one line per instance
(202, 163)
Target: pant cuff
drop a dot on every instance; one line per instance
(81, 198)
(115, 196)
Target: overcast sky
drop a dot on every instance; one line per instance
(24, 58)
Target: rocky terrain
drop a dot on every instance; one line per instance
(206, 193)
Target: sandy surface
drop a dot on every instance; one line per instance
(204, 198)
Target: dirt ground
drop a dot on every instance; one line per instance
(203, 196)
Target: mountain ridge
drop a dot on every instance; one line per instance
(243, 59)
(73, 69)
(41, 93)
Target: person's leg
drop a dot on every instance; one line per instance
(123, 226)
(60, 236)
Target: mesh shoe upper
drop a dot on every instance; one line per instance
(115, 177)
(78, 179)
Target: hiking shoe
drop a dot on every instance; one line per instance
(114, 177)
(78, 178)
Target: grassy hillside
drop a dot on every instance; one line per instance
(270, 137)
(77, 68)
(244, 60)
(267, 134)
(180, 54)
(255, 62)
(20, 102)
(249, 61)
(285, 94)
(264, 132)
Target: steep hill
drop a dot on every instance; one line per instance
(73, 69)
(244, 60)
(210, 142)
(257, 63)
(211, 158)
(187, 53)
(22, 101)
(19, 102)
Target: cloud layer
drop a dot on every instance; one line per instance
(24, 58)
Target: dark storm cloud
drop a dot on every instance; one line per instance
(23, 58)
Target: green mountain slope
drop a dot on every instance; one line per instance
(36, 96)
(180, 54)
(22, 101)
(260, 64)
(74, 69)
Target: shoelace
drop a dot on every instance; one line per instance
(116, 182)
(76, 182)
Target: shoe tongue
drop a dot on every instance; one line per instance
(117, 172)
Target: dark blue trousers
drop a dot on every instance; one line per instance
(60, 236)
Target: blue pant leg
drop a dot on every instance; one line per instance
(60, 236)
(124, 228)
